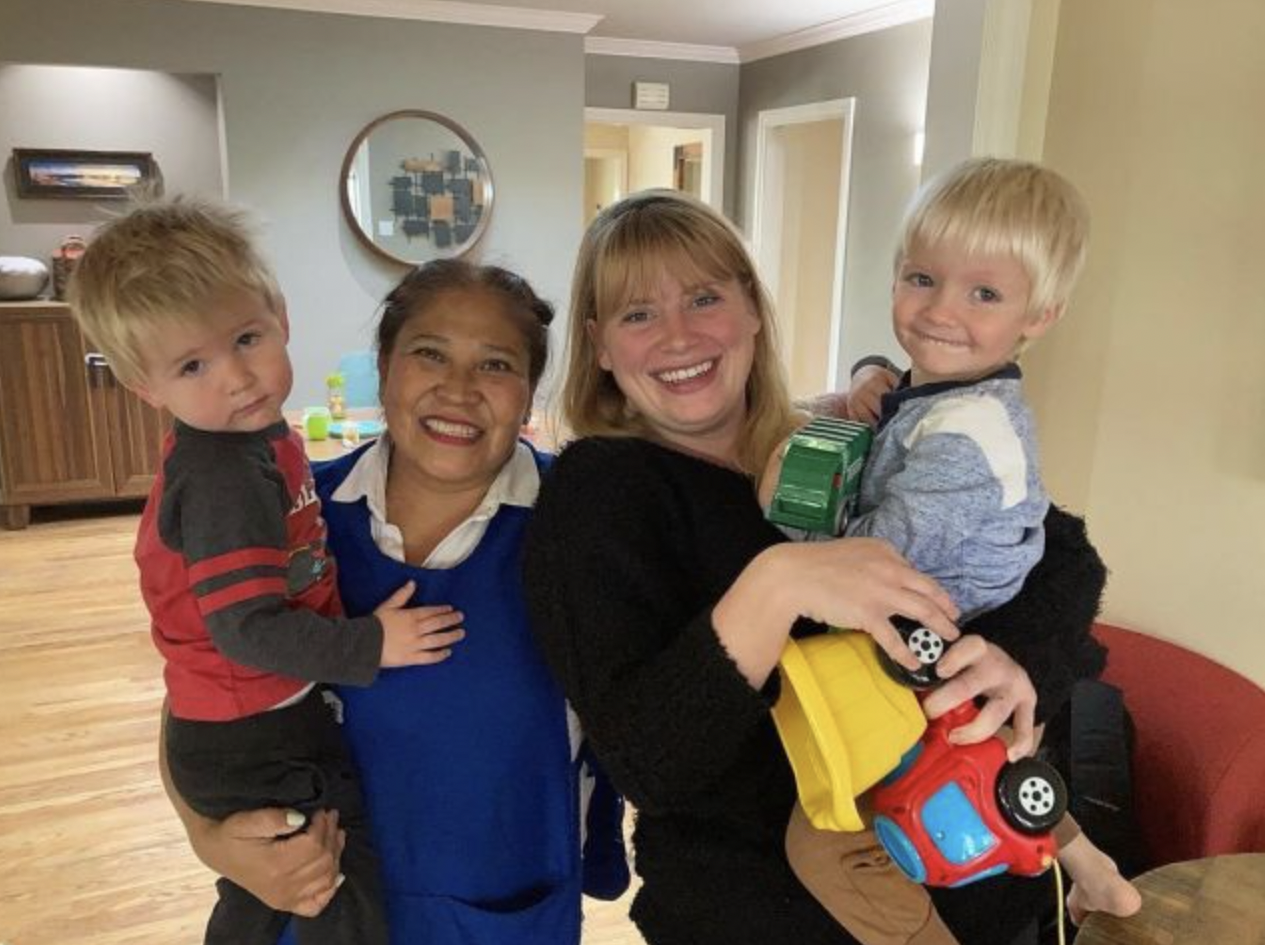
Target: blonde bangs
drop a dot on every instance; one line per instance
(630, 264)
(160, 265)
(994, 207)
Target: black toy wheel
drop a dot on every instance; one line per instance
(841, 519)
(927, 645)
(1031, 795)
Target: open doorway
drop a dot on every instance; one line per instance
(627, 150)
(799, 227)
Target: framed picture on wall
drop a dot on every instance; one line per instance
(90, 175)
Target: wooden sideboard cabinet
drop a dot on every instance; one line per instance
(69, 432)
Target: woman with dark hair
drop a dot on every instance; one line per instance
(471, 771)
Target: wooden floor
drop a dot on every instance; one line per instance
(90, 852)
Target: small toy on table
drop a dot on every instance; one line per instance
(316, 423)
(335, 395)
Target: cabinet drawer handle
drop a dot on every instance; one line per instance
(98, 369)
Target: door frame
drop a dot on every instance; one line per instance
(715, 191)
(768, 120)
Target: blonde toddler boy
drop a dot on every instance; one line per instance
(231, 550)
(988, 257)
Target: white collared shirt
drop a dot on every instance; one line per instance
(518, 483)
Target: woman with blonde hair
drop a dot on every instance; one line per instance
(662, 597)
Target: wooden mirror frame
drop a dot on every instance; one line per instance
(480, 227)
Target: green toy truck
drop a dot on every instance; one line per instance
(821, 476)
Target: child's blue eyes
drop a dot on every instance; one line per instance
(982, 293)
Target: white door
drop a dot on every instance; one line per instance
(799, 231)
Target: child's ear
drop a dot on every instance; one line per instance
(283, 317)
(1042, 322)
(144, 393)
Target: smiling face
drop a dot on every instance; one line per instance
(681, 353)
(455, 388)
(227, 372)
(961, 316)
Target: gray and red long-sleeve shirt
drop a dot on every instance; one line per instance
(234, 571)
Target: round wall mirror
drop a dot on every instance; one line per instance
(415, 187)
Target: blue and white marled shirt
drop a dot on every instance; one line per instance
(953, 482)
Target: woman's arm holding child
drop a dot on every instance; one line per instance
(265, 851)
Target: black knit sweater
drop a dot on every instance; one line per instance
(630, 548)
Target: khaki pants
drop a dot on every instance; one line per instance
(852, 876)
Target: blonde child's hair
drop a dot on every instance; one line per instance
(160, 264)
(624, 252)
(1005, 207)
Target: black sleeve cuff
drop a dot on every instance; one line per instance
(876, 360)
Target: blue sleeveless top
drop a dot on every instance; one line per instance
(466, 765)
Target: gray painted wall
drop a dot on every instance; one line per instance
(953, 89)
(172, 116)
(296, 89)
(886, 72)
(702, 87)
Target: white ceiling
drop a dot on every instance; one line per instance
(706, 22)
(745, 29)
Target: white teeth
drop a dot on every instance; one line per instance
(447, 428)
(943, 342)
(684, 374)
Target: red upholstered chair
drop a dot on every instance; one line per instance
(1199, 755)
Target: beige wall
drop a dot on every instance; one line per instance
(607, 137)
(1151, 395)
(650, 152)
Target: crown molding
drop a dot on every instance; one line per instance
(649, 49)
(438, 11)
(897, 13)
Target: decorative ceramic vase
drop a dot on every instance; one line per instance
(21, 278)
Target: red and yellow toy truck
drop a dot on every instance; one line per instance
(848, 718)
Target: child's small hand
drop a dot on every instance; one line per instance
(974, 667)
(417, 636)
(865, 396)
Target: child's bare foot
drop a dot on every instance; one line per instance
(1098, 887)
